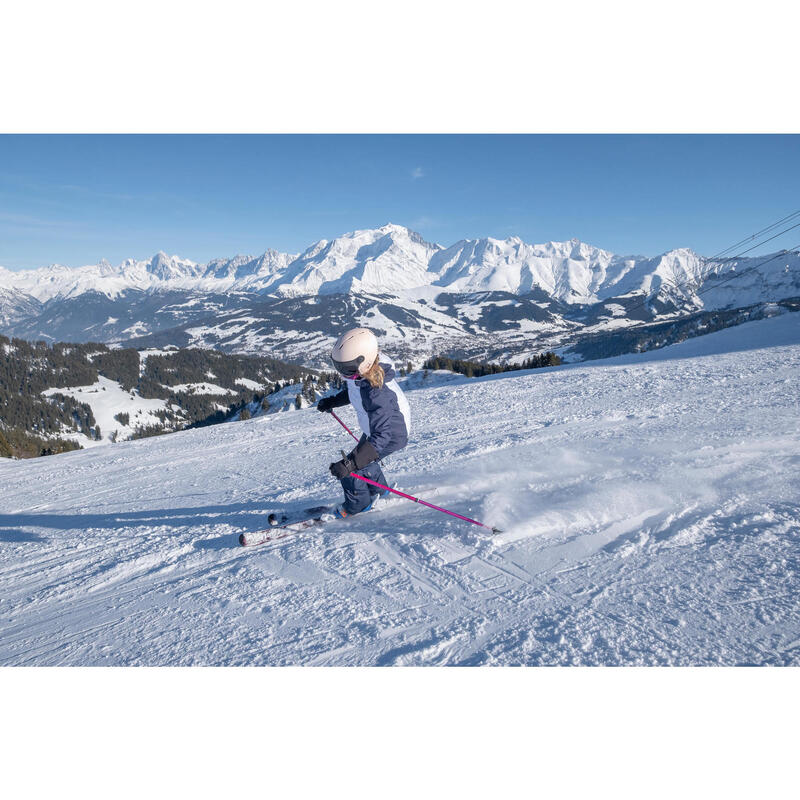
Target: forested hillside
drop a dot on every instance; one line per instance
(40, 413)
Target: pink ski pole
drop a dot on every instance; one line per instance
(429, 505)
(344, 426)
(350, 432)
(408, 496)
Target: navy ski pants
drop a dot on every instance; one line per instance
(358, 494)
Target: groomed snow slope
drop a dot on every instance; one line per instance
(650, 508)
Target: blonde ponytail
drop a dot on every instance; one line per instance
(375, 375)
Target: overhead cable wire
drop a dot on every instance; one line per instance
(731, 277)
(734, 258)
(683, 286)
(756, 234)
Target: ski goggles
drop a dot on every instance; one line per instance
(348, 369)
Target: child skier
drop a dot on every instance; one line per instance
(382, 411)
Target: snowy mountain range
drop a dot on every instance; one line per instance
(486, 295)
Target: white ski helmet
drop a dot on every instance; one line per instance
(355, 352)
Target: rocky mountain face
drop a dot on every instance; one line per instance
(15, 306)
(477, 298)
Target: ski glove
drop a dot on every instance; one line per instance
(334, 401)
(341, 469)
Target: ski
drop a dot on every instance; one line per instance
(253, 538)
(283, 526)
(284, 519)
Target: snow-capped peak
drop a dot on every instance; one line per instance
(393, 259)
(170, 267)
(385, 259)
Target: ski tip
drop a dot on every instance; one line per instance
(242, 540)
(496, 530)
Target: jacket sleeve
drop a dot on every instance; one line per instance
(364, 453)
(341, 399)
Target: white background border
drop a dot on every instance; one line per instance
(417, 66)
(412, 67)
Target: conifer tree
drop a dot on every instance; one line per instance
(5, 447)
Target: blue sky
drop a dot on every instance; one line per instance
(77, 199)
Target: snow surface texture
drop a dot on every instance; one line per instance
(649, 505)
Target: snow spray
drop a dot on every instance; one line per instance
(424, 503)
(408, 496)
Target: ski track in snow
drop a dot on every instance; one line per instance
(649, 505)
